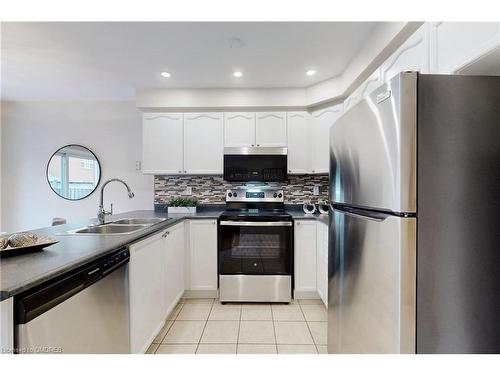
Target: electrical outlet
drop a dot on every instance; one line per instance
(138, 165)
(315, 190)
(189, 190)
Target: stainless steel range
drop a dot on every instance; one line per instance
(255, 252)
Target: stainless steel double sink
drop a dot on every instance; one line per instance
(122, 226)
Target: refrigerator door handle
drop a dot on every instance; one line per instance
(360, 212)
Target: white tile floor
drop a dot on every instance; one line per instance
(205, 326)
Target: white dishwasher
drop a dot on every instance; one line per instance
(82, 311)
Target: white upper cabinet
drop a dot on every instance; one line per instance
(162, 149)
(248, 129)
(412, 55)
(454, 45)
(321, 121)
(270, 129)
(203, 143)
(299, 128)
(239, 129)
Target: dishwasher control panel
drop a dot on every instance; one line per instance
(41, 298)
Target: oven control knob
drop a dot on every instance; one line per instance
(280, 195)
(275, 195)
(229, 194)
(235, 194)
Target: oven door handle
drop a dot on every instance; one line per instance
(256, 223)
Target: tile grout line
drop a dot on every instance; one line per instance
(169, 328)
(274, 331)
(309, 329)
(239, 328)
(205, 326)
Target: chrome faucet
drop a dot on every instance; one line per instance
(101, 213)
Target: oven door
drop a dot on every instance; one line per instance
(255, 247)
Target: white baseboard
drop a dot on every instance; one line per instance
(159, 328)
(305, 294)
(201, 294)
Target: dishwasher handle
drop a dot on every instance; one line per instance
(36, 301)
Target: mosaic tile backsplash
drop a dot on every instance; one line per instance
(212, 189)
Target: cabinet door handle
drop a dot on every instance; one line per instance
(252, 145)
(180, 171)
(165, 234)
(258, 145)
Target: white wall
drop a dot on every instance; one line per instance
(32, 131)
(385, 39)
(148, 99)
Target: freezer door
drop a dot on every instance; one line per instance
(458, 213)
(373, 149)
(371, 283)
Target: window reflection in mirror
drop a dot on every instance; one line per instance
(73, 172)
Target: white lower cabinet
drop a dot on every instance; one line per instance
(146, 291)
(305, 259)
(311, 260)
(162, 267)
(322, 261)
(173, 254)
(201, 262)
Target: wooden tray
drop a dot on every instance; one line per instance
(42, 243)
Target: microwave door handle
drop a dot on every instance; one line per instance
(256, 223)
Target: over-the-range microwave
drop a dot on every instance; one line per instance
(259, 164)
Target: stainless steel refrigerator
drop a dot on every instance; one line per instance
(414, 235)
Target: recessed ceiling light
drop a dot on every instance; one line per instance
(165, 74)
(237, 74)
(311, 72)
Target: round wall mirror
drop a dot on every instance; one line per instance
(73, 172)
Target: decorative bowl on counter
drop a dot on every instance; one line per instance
(22, 243)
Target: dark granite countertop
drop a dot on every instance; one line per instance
(19, 273)
(299, 214)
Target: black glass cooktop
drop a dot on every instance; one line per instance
(255, 214)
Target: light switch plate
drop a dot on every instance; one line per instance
(138, 165)
(189, 190)
(316, 190)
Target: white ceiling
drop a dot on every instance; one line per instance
(110, 60)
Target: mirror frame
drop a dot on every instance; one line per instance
(98, 180)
